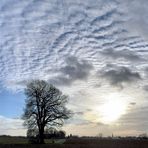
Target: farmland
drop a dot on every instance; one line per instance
(17, 142)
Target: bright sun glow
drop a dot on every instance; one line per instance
(114, 106)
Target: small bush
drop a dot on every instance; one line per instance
(33, 140)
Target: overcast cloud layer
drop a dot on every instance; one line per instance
(86, 48)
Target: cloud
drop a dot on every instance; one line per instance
(117, 76)
(79, 113)
(9, 126)
(101, 124)
(135, 119)
(73, 70)
(137, 13)
(125, 54)
(37, 36)
(133, 103)
(145, 87)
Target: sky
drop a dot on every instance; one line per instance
(94, 51)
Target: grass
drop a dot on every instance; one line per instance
(108, 143)
(20, 142)
(13, 140)
(23, 140)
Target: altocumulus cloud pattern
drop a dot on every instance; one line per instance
(38, 36)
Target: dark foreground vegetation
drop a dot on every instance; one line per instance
(83, 143)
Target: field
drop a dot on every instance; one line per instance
(20, 142)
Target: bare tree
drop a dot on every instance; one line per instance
(45, 107)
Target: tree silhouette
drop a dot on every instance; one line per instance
(45, 107)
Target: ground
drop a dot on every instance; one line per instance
(17, 142)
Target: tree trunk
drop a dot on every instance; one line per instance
(41, 136)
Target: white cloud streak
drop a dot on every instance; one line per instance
(9, 126)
